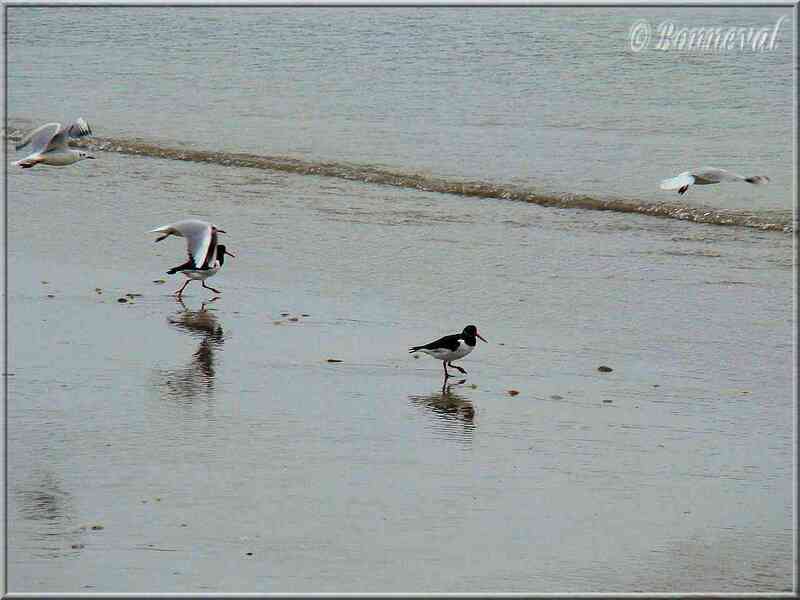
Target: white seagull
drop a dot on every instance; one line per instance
(205, 256)
(49, 145)
(451, 347)
(706, 176)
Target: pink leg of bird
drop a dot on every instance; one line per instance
(459, 368)
(179, 293)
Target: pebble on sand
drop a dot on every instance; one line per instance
(294, 319)
(607, 401)
(513, 392)
(604, 369)
(159, 281)
(51, 295)
(122, 300)
(334, 360)
(97, 527)
(556, 397)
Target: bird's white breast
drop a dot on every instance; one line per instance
(201, 274)
(448, 355)
(61, 159)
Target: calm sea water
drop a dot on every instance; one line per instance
(550, 99)
(157, 446)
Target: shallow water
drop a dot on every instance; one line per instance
(196, 436)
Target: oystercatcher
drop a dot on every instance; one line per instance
(451, 347)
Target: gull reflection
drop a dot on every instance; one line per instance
(454, 413)
(42, 501)
(197, 377)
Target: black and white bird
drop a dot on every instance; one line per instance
(707, 176)
(49, 145)
(205, 256)
(451, 347)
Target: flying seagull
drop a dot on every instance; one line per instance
(707, 176)
(49, 145)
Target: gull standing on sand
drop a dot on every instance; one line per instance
(706, 176)
(451, 347)
(205, 256)
(49, 145)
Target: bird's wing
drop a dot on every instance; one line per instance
(182, 228)
(40, 137)
(201, 239)
(79, 128)
(199, 245)
(678, 182)
(163, 229)
(450, 342)
(714, 175)
(211, 252)
(197, 234)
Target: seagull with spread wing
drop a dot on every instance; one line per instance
(48, 145)
(205, 256)
(706, 176)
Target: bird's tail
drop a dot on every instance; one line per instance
(757, 179)
(684, 180)
(414, 349)
(187, 265)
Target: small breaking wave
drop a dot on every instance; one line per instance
(428, 183)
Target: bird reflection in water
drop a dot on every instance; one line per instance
(455, 413)
(198, 376)
(42, 501)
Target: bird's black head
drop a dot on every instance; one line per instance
(221, 252)
(471, 332)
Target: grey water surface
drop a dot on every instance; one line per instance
(549, 99)
(210, 446)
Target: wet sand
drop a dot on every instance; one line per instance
(220, 452)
